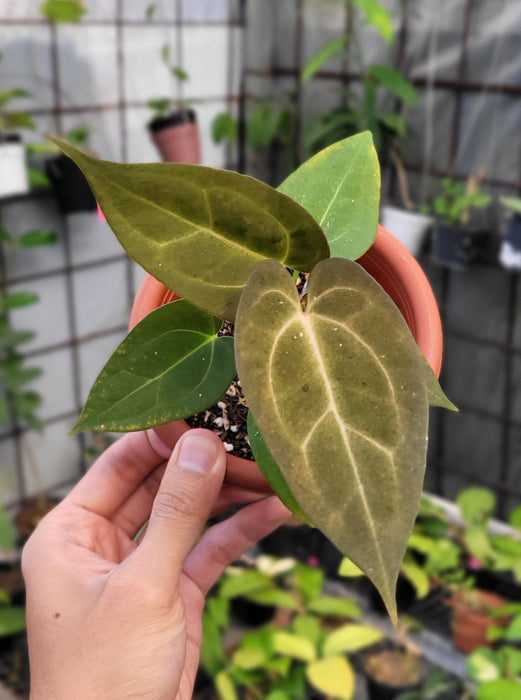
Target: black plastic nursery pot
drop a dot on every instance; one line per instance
(176, 137)
(391, 671)
(72, 190)
(510, 251)
(459, 247)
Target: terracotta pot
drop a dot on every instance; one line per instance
(470, 625)
(177, 137)
(393, 266)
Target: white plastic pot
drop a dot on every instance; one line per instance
(13, 167)
(409, 227)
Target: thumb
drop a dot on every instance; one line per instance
(188, 491)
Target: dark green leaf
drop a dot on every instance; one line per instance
(338, 392)
(315, 63)
(33, 239)
(12, 621)
(37, 178)
(17, 300)
(198, 230)
(12, 93)
(213, 657)
(269, 468)
(5, 236)
(18, 120)
(394, 81)
(10, 338)
(224, 128)
(179, 73)
(170, 366)
(165, 53)
(7, 532)
(340, 187)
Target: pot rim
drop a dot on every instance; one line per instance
(399, 273)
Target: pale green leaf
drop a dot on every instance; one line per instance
(225, 686)
(294, 646)
(483, 664)
(269, 468)
(349, 569)
(416, 575)
(170, 366)
(338, 392)
(334, 677)
(340, 187)
(200, 231)
(63, 10)
(243, 583)
(315, 63)
(338, 607)
(500, 689)
(273, 596)
(378, 17)
(351, 637)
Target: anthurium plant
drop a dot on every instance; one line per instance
(338, 390)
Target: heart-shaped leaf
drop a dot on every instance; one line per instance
(200, 231)
(340, 187)
(170, 366)
(334, 677)
(338, 392)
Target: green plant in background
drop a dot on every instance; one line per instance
(497, 672)
(306, 642)
(433, 687)
(362, 110)
(12, 617)
(457, 200)
(161, 106)
(63, 10)
(13, 119)
(498, 552)
(268, 123)
(337, 386)
(17, 403)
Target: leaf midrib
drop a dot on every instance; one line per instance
(210, 231)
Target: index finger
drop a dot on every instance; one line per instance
(119, 471)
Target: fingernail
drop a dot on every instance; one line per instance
(196, 453)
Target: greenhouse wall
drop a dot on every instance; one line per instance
(461, 56)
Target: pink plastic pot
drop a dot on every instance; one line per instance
(177, 137)
(393, 266)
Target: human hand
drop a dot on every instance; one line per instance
(111, 618)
